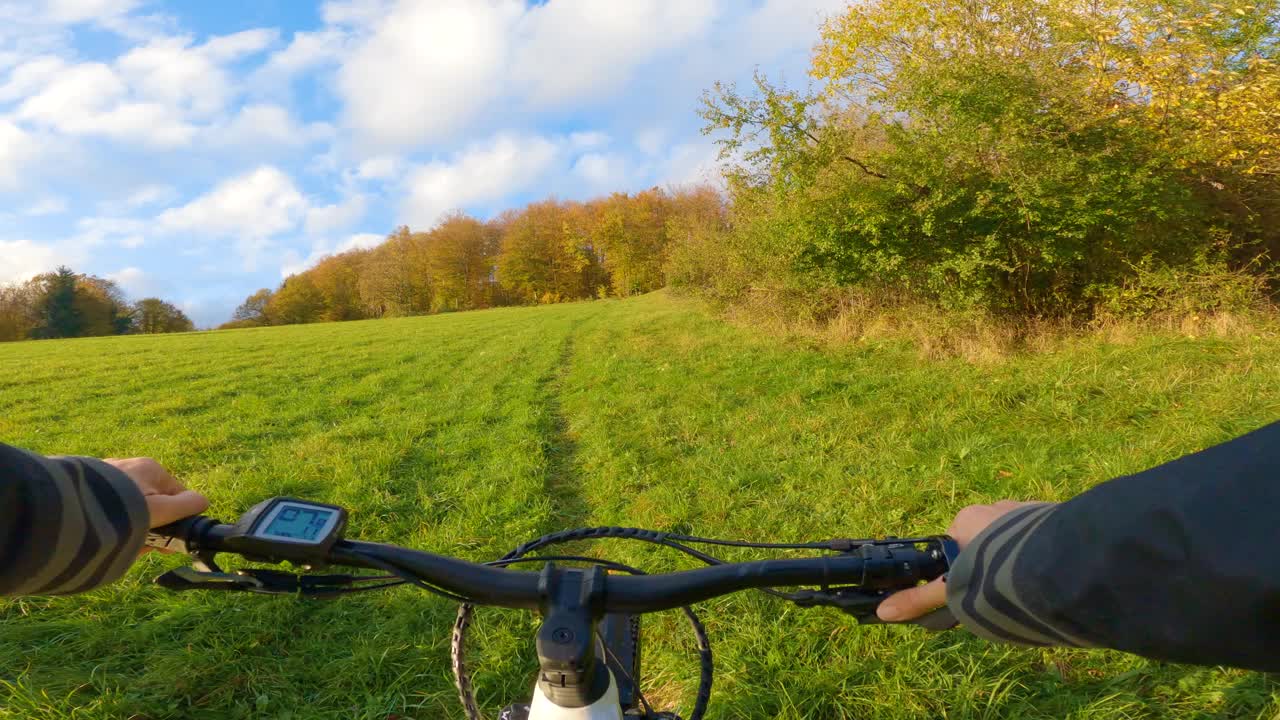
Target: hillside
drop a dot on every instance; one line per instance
(468, 433)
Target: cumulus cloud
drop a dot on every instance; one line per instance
(121, 231)
(305, 51)
(157, 94)
(573, 49)
(22, 260)
(250, 209)
(463, 56)
(150, 195)
(691, 163)
(450, 52)
(266, 124)
(137, 283)
(380, 167)
(481, 173)
(18, 149)
(47, 206)
(294, 262)
(601, 170)
(338, 216)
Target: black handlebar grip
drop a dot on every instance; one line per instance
(179, 536)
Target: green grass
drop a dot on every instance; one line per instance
(469, 433)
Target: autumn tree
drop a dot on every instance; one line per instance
(698, 236)
(254, 309)
(460, 254)
(544, 257)
(337, 279)
(19, 314)
(630, 236)
(394, 279)
(153, 316)
(297, 301)
(102, 307)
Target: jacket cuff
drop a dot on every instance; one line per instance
(982, 587)
(115, 511)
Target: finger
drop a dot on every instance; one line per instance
(911, 604)
(165, 509)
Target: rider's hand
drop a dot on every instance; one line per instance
(916, 602)
(167, 499)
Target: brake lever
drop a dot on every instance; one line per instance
(255, 580)
(862, 602)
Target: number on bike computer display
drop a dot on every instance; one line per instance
(298, 522)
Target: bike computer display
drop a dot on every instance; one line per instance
(298, 522)
(288, 529)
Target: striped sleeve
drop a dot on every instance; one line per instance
(982, 593)
(67, 524)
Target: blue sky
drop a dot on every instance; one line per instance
(200, 150)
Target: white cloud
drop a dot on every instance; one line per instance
(575, 49)
(354, 12)
(52, 205)
(18, 149)
(29, 76)
(250, 209)
(601, 170)
(151, 194)
(135, 282)
(158, 94)
(588, 139)
(265, 124)
(90, 98)
(294, 263)
(122, 231)
(481, 173)
(171, 71)
(380, 167)
(781, 25)
(329, 218)
(224, 48)
(22, 260)
(691, 163)
(652, 140)
(360, 241)
(462, 57)
(307, 50)
(76, 11)
(426, 69)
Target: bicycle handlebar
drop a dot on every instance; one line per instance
(874, 567)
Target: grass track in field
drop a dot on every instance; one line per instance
(470, 433)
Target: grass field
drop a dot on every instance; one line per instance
(469, 433)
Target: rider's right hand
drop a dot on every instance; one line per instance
(969, 523)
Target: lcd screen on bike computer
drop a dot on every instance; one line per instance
(297, 522)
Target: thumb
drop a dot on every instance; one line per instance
(165, 509)
(916, 602)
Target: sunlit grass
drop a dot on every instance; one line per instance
(470, 433)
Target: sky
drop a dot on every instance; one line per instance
(198, 150)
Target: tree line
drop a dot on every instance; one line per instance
(549, 251)
(65, 304)
(1075, 159)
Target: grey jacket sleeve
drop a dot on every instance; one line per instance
(1176, 563)
(67, 524)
